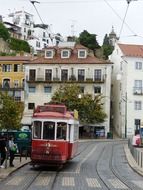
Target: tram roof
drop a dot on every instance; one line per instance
(67, 115)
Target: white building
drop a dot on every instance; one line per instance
(38, 36)
(66, 63)
(41, 38)
(24, 20)
(127, 88)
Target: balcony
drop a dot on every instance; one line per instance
(138, 91)
(71, 79)
(19, 88)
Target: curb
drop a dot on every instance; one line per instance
(131, 161)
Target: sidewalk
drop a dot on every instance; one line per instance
(4, 172)
(132, 161)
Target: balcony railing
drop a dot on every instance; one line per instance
(71, 79)
(19, 88)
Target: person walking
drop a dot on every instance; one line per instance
(12, 151)
(3, 151)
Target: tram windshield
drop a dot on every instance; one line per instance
(48, 130)
(61, 130)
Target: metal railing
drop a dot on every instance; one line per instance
(137, 153)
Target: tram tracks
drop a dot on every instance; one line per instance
(105, 171)
(114, 180)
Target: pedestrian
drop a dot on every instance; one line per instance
(12, 151)
(3, 151)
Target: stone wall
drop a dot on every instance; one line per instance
(4, 46)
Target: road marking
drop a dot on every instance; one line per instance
(117, 184)
(92, 182)
(79, 165)
(68, 181)
(16, 180)
(42, 181)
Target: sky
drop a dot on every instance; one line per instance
(71, 17)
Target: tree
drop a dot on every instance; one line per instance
(10, 112)
(88, 40)
(19, 45)
(90, 110)
(106, 47)
(4, 34)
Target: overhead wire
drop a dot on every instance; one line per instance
(33, 3)
(87, 1)
(128, 4)
(115, 12)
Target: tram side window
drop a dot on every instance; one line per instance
(37, 129)
(49, 130)
(61, 130)
(76, 131)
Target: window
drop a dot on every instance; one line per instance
(138, 105)
(37, 129)
(23, 83)
(97, 89)
(138, 86)
(47, 89)
(17, 96)
(6, 68)
(44, 34)
(61, 130)
(37, 44)
(97, 74)
(137, 124)
(31, 106)
(81, 53)
(16, 67)
(65, 54)
(32, 74)
(16, 83)
(23, 68)
(6, 83)
(49, 130)
(138, 65)
(81, 73)
(49, 53)
(64, 74)
(48, 74)
(32, 89)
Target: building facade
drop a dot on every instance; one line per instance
(12, 76)
(66, 63)
(127, 88)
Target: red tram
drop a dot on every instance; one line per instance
(54, 135)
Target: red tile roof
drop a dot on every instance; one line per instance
(15, 58)
(132, 50)
(72, 60)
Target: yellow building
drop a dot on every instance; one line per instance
(12, 75)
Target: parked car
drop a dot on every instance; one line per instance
(136, 141)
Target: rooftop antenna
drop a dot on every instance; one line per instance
(73, 27)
